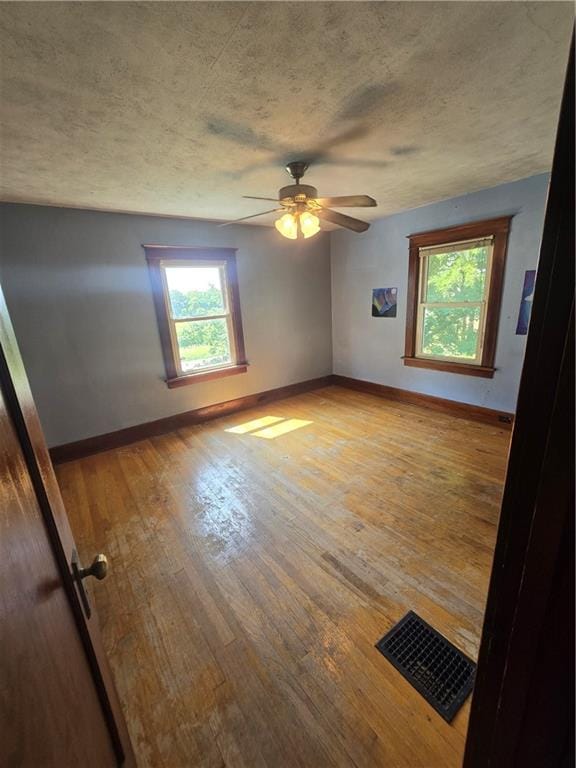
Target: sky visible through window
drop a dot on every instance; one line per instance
(187, 279)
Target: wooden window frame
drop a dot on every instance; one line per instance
(497, 229)
(159, 256)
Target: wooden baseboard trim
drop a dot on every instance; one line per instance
(99, 443)
(463, 410)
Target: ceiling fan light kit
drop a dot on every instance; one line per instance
(302, 209)
(290, 223)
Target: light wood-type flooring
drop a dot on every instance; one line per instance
(256, 559)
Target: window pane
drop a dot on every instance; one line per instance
(195, 291)
(451, 332)
(457, 275)
(203, 344)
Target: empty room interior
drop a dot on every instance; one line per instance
(269, 270)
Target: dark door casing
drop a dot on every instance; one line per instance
(522, 709)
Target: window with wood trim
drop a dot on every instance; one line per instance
(454, 290)
(198, 309)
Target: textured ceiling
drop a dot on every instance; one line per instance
(181, 108)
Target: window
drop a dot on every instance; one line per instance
(198, 310)
(454, 289)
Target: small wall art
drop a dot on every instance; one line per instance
(526, 303)
(384, 302)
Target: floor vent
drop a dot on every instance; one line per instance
(431, 664)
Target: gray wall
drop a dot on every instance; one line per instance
(371, 348)
(77, 288)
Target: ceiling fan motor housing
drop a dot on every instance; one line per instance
(297, 193)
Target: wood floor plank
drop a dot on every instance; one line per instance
(253, 570)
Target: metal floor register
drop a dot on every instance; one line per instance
(441, 673)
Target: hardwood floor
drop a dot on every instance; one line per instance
(252, 573)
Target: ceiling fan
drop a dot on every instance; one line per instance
(303, 209)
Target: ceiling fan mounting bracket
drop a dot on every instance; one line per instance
(297, 169)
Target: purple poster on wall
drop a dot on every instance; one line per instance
(526, 303)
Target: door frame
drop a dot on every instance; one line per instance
(20, 404)
(534, 549)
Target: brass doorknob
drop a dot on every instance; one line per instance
(98, 568)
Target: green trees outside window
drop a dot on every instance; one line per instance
(201, 343)
(453, 293)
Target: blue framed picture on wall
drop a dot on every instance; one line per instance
(384, 302)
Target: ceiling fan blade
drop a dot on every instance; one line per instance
(341, 220)
(347, 201)
(254, 215)
(251, 197)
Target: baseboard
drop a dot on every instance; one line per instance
(463, 410)
(99, 443)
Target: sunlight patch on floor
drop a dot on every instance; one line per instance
(281, 429)
(269, 427)
(249, 426)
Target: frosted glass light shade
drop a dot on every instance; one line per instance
(287, 226)
(309, 224)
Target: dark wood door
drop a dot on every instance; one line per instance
(522, 713)
(57, 700)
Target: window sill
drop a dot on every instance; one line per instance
(465, 369)
(195, 378)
